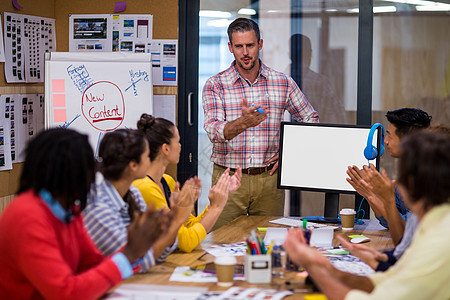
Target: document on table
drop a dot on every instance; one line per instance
(235, 249)
(253, 293)
(186, 274)
(156, 292)
(299, 223)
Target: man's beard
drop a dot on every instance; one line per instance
(252, 65)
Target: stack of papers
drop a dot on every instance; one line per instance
(156, 292)
(299, 223)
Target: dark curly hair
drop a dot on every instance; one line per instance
(62, 162)
(158, 132)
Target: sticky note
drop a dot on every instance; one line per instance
(262, 229)
(16, 5)
(315, 297)
(303, 274)
(59, 115)
(355, 236)
(59, 100)
(58, 86)
(120, 6)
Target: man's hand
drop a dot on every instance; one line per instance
(145, 229)
(360, 180)
(250, 117)
(368, 255)
(271, 160)
(382, 186)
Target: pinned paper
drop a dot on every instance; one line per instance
(120, 6)
(58, 86)
(59, 115)
(59, 100)
(16, 5)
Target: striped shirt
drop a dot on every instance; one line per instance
(106, 219)
(222, 102)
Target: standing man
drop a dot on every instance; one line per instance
(243, 108)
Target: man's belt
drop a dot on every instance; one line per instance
(252, 171)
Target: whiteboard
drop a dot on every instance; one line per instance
(94, 93)
(315, 156)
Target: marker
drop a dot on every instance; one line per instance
(259, 109)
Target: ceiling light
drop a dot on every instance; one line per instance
(433, 8)
(247, 11)
(376, 9)
(214, 14)
(219, 23)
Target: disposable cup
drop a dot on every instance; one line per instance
(225, 270)
(347, 218)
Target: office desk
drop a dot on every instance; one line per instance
(237, 231)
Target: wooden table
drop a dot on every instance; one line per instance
(237, 231)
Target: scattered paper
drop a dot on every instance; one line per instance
(236, 249)
(299, 223)
(156, 292)
(275, 234)
(350, 264)
(188, 274)
(253, 293)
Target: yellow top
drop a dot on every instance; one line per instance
(191, 233)
(423, 270)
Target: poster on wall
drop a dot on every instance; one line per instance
(5, 137)
(2, 48)
(27, 39)
(164, 61)
(90, 33)
(131, 32)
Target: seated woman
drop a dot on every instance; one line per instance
(422, 271)
(45, 251)
(124, 155)
(157, 187)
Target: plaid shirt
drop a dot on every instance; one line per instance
(106, 219)
(222, 102)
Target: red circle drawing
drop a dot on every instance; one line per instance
(103, 105)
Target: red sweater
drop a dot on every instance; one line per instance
(42, 257)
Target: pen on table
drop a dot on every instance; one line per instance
(201, 256)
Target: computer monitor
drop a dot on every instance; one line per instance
(315, 156)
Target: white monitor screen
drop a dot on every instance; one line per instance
(315, 156)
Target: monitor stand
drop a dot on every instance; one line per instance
(331, 205)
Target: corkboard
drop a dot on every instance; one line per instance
(165, 26)
(9, 180)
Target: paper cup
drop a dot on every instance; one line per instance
(225, 270)
(347, 218)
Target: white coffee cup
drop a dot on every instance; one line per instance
(225, 270)
(347, 218)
